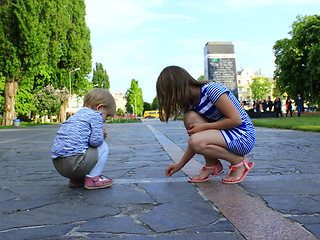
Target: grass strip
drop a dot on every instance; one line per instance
(307, 122)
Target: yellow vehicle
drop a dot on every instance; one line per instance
(151, 114)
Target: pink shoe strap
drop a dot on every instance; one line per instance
(243, 162)
(210, 167)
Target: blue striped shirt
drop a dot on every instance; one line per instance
(241, 139)
(76, 134)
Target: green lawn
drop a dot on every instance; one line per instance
(307, 122)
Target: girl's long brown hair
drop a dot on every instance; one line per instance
(173, 91)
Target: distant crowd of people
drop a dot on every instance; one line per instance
(276, 105)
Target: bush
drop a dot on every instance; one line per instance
(123, 120)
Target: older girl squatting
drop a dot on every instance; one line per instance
(218, 126)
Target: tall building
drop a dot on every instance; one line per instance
(220, 64)
(120, 100)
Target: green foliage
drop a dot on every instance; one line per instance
(134, 98)
(100, 77)
(76, 47)
(40, 43)
(24, 101)
(260, 87)
(201, 78)
(21, 38)
(146, 106)
(123, 120)
(155, 104)
(120, 112)
(297, 59)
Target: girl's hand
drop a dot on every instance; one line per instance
(104, 133)
(196, 127)
(172, 168)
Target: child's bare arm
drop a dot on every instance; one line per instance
(225, 105)
(175, 167)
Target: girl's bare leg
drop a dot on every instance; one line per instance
(211, 144)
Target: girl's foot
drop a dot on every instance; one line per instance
(208, 172)
(97, 182)
(238, 172)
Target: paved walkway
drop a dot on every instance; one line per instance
(280, 198)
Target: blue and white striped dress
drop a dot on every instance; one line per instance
(241, 139)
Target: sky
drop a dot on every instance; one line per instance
(137, 39)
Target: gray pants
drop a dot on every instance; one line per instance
(77, 166)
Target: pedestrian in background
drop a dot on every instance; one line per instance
(264, 105)
(79, 151)
(219, 128)
(258, 105)
(277, 107)
(270, 104)
(299, 104)
(289, 106)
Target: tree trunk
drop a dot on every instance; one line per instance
(62, 112)
(9, 113)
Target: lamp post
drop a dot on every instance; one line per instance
(77, 69)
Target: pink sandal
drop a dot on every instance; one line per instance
(210, 176)
(247, 165)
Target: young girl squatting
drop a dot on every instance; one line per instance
(79, 151)
(218, 126)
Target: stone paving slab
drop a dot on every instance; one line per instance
(286, 167)
(37, 203)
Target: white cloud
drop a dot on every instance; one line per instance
(124, 15)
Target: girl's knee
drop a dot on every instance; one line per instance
(193, 117)
(195, 143)
(103, 148)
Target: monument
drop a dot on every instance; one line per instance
(220, 64)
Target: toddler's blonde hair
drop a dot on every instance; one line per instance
(99, 96)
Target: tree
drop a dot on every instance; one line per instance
(155, 104)
(201, 78)
(134, 98)
(48, 100)
(260, 87)
(76, 52)
(146, 106)
(100, 77)
(21, 48)
(40, 43)
(78, 49)
(120, 112)
(297, 59)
